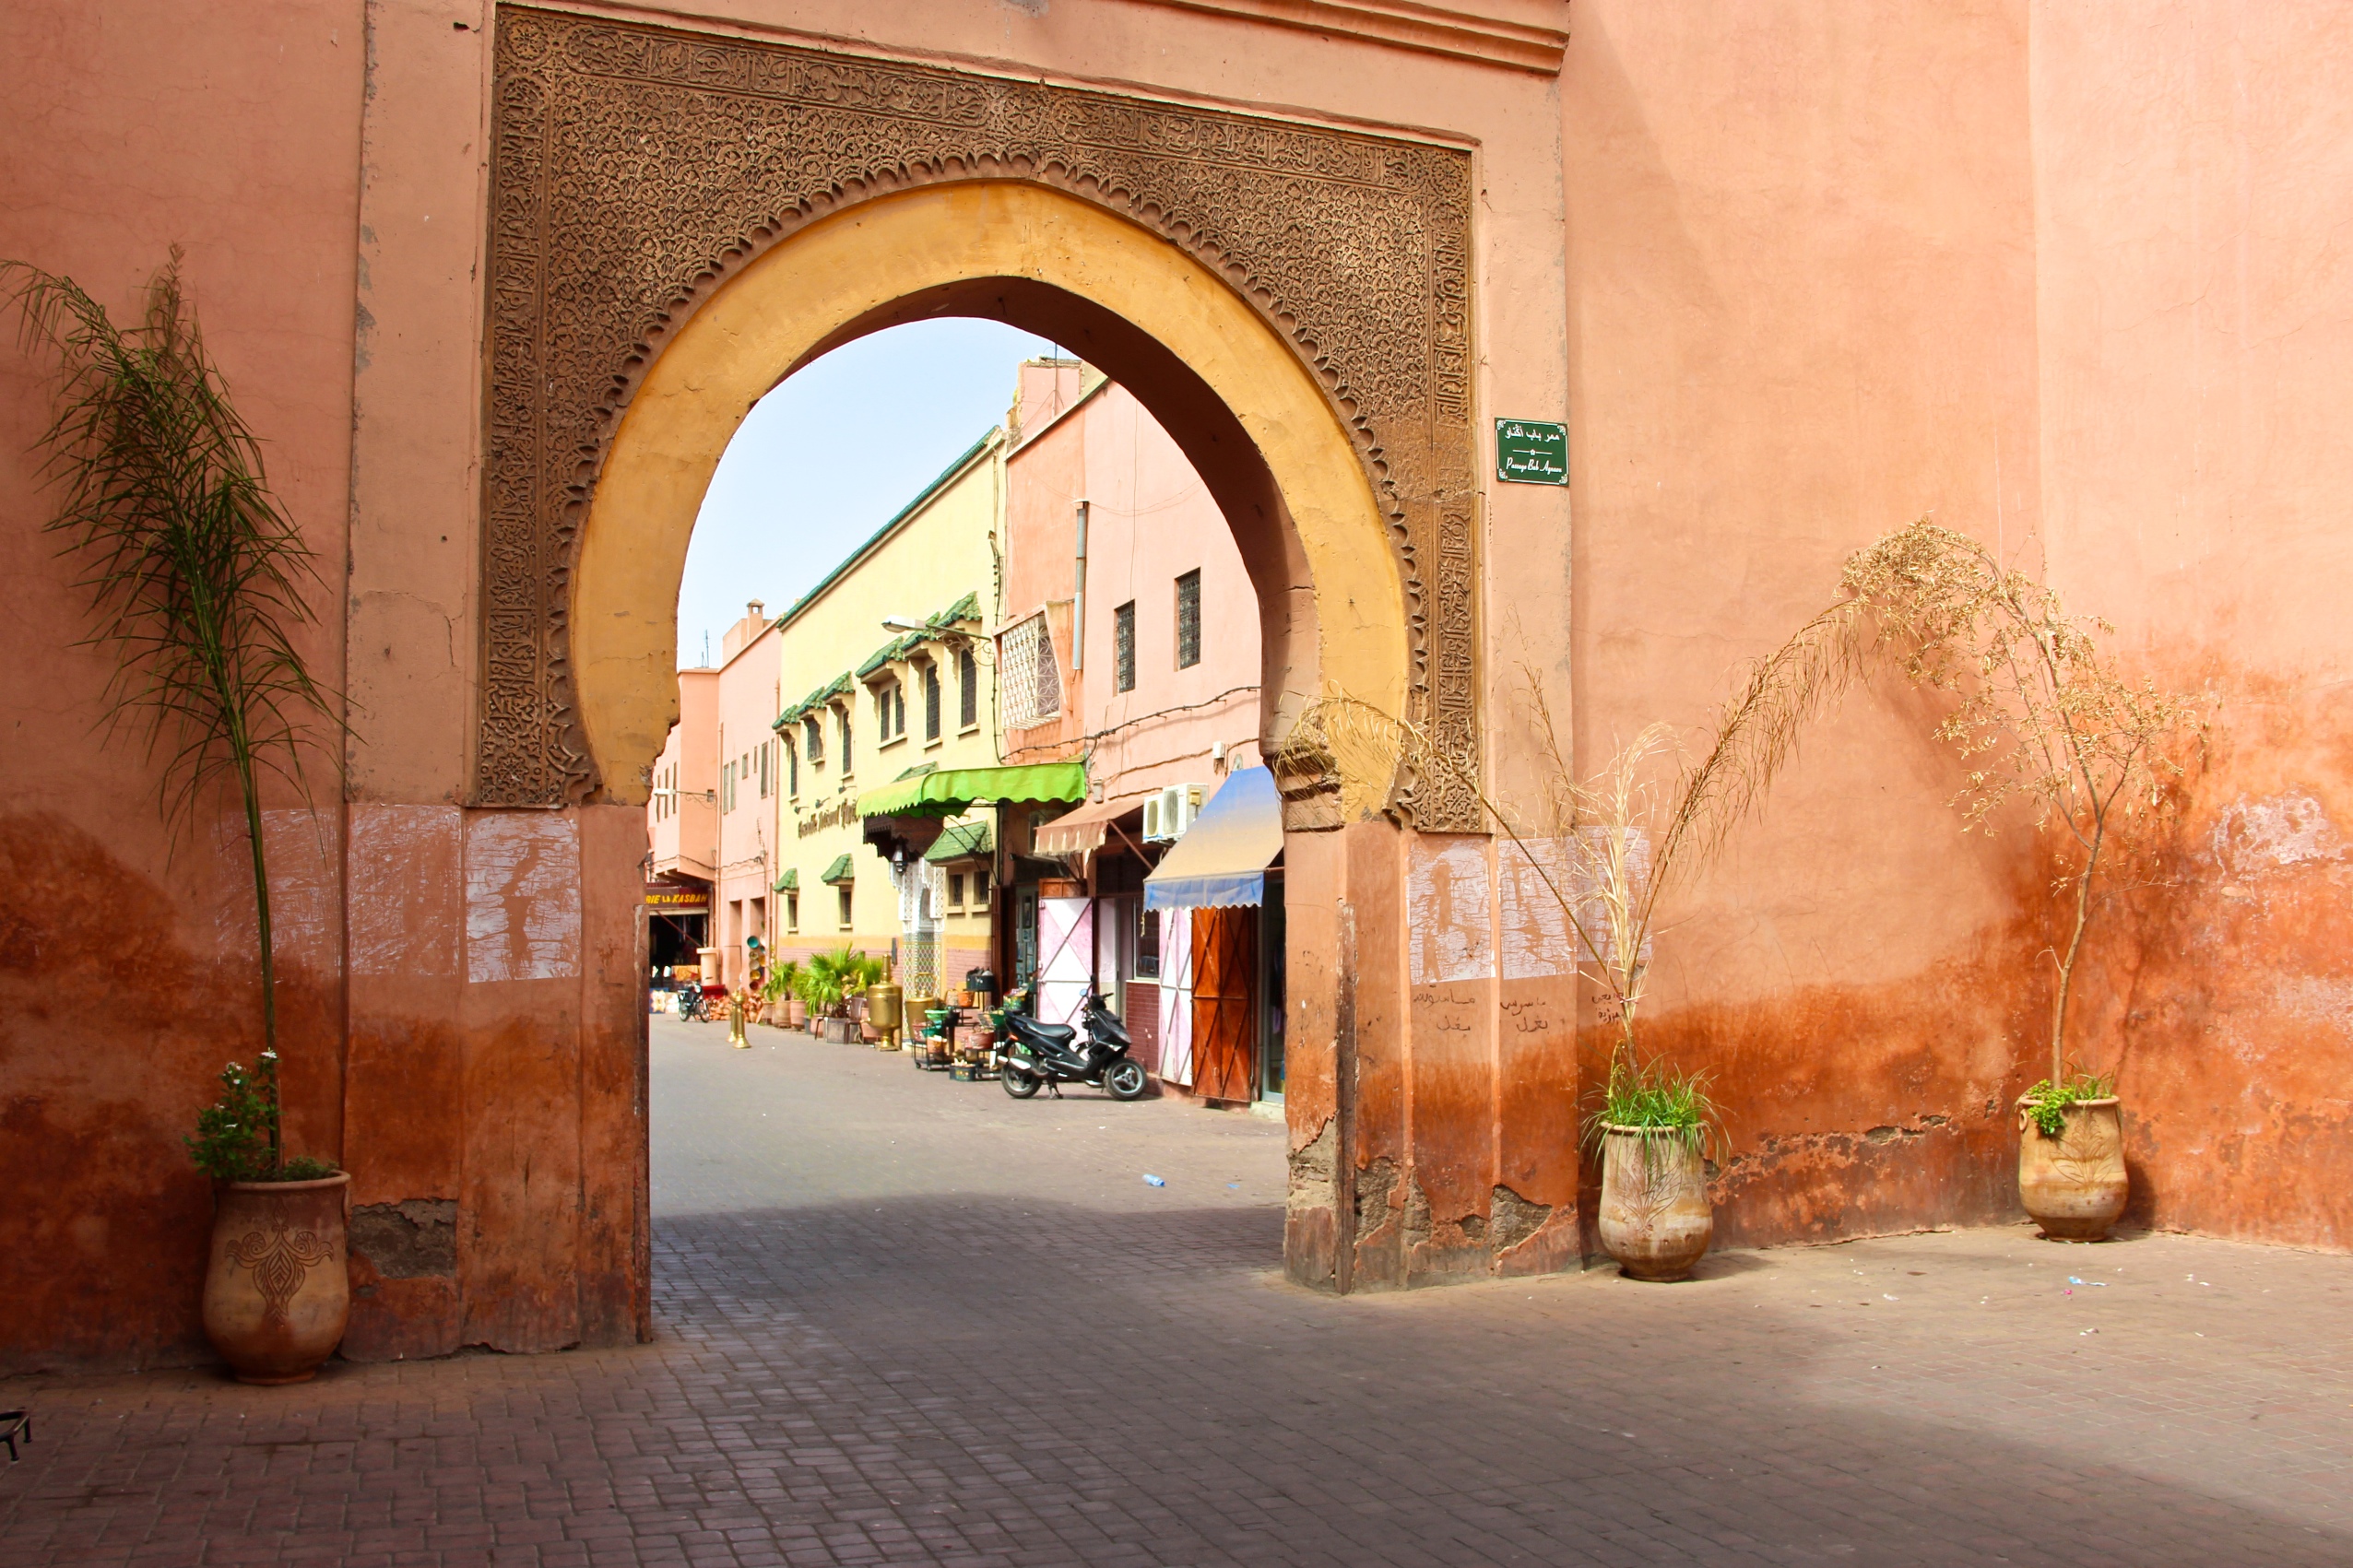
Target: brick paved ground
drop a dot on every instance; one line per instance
(909, 1321)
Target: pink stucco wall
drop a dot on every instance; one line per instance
(684, 831)
(747, 705)
(126, 967)
(1149, 520)
(2059, 276)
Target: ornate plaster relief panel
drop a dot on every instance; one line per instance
(635, 168)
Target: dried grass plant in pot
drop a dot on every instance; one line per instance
(197, 582)
(2042, 720)
(1609, 848)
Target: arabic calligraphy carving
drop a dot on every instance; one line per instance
(636, 167)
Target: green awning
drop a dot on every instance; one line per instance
(790, 883)
(952, 791)
(962, 841)
(839, 872)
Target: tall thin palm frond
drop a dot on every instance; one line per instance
(196, 577)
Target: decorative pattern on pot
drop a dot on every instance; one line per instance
(1655, 1220)
(2074, 1185)
(278, 1291)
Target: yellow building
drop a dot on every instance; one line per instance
(890, 648)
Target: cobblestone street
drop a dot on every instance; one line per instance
(907, 1320)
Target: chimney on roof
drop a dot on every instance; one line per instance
(754, 609)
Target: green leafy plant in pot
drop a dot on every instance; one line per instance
(196, 580)
(2042, 719)
(783, 992)
(1608, 848)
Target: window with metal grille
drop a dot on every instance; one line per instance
(813, 735)
(1123, 647)
(968, 688)
(1029, 685)
(931, 701)
(1188, 620)
(843, 895)
(792, 911)
(955, 889)
(842, 718)
(792, 767)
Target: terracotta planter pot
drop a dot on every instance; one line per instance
(796, 1014)
(1655, 1217)
(277, 1292)
(2075, 1184)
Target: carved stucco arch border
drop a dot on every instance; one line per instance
(634, 169)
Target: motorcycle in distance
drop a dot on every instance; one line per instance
(1048, 1056)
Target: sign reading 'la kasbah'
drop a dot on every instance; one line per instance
(670, 898)
(1531, 451)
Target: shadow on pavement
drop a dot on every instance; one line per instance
(980, 1359)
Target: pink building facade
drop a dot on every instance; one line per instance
(682, 825)
(1117, 556)
(746, 746)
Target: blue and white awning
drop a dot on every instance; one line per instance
(1222, 860)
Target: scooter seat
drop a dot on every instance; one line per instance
(1051, 1033)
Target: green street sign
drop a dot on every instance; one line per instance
(1531, 451)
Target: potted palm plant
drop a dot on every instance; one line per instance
(2041, 718)
(784, 1007)
(1609, 847)
(833, 978)
(196, 580)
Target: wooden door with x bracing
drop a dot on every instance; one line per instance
(1225, 1003)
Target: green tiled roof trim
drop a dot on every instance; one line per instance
(838, 687)
(963, 609)
(962, 841)
(790, 883)
(950, 472)
(895, 649)
(839, 872)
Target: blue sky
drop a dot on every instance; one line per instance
(831, 455)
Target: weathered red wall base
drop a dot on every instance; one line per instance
(494, 1073)
(115, 1021)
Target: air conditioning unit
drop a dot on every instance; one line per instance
(1169, 813)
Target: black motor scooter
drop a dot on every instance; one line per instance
(1050, 1055)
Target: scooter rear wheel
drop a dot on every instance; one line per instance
(1125, 1079)
(1019, 1084)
